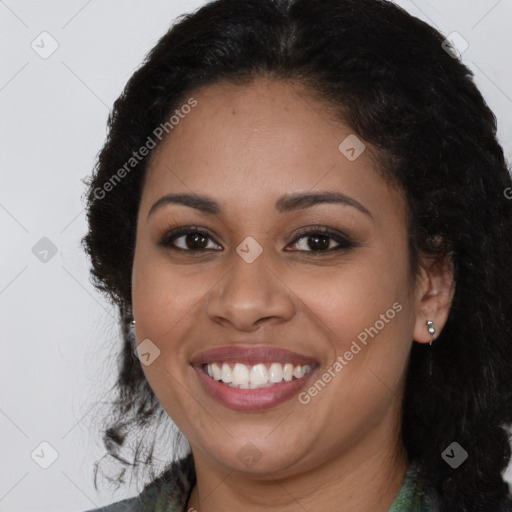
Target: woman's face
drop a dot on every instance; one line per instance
(339, 307)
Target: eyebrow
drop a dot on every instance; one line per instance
(286, 203)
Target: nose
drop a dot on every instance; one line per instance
(249, 295)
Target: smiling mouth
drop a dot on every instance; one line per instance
(252, 377)
(261, 375)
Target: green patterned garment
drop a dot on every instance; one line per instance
(171, 491)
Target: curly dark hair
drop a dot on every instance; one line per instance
(389, 78)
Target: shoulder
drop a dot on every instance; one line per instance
(167, 493)
(128, 505)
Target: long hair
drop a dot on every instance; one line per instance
(387, 75)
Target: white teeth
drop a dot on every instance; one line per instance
(216, 372)
(257, 376)
(226, 375)
(240, 375)
(288, 372)
(276, 372)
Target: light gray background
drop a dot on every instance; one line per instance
(56, 330)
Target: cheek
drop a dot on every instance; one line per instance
(163, 300)
(164, 295)
(349, 298)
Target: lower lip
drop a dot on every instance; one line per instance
(251, 399)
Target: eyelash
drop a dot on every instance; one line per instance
(344, 242)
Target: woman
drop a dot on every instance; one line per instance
(301, 213)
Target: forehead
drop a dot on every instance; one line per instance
(247, 143)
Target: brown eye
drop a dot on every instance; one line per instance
(194, 240)
(321, 239)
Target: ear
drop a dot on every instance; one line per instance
(435, 286)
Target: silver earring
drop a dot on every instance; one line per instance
(133, 322)
(431, 328)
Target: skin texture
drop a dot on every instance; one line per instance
(246, 146)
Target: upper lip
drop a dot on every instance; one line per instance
(250, 355)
